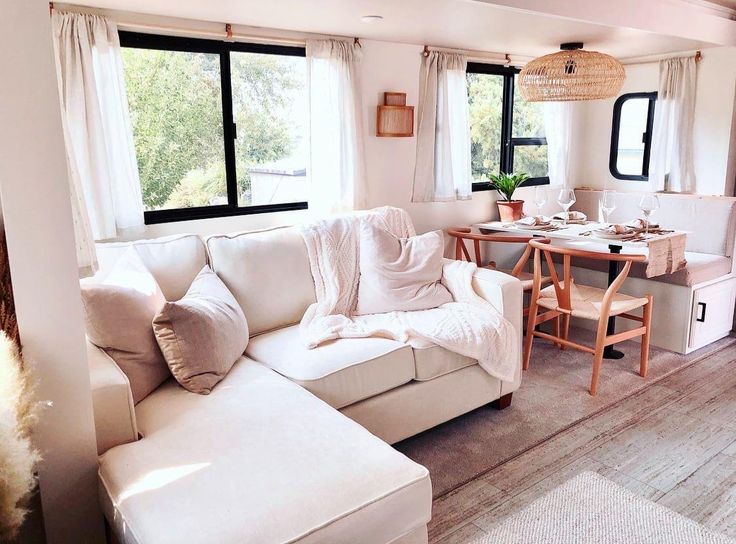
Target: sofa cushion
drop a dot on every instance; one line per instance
(434, 361)
(339, 372)
(173, 260)
(258, 268)
(700, 267)
(258, 460)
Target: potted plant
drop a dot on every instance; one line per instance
(506, 184)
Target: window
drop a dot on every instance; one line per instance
(220, 128)
(506, 132)
(631, 136)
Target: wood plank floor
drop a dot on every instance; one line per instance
(673, 443)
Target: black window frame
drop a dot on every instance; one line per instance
(508, 141)
(646, 136)
(137, 40)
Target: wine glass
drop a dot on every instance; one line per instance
(648, 204)
(566, 198)
(540, 198)
(608, 204)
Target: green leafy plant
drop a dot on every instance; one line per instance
(506, 184)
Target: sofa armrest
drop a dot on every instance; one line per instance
(505, 293)
(112, 401)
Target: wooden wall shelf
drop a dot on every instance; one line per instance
(394, 119)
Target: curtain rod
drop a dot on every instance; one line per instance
(486, 56)
(697, 55)
(226, 33)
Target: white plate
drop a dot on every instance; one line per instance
(602, 233)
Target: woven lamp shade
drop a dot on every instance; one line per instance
(570, 76)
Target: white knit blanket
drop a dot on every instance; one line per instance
(469, 325)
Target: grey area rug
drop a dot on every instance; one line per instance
(591, 508)
(553, 396)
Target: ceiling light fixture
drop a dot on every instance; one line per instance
(571, 74)
(371, 18)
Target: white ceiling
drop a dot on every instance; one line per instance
(463, 24)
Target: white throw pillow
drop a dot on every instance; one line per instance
(400, 274)
(118, 314)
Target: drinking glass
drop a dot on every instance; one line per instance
(648, 204)
(566, 198)
(608, 204)
(540, 198)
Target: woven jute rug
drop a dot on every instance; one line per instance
(590, 508)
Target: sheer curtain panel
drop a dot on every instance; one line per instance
(105, 188)
(558, 131)
(442, 171)
(337, 171)
(671, 167)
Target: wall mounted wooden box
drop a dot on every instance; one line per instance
(394, 119)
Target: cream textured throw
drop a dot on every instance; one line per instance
(469, 325)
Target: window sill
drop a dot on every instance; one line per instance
(486, 186)
(212, 212)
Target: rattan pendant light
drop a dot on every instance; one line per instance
(571, 74)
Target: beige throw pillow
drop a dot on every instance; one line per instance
(400, 274)
(203, 334)
(118, 313)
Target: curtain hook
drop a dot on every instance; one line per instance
(51, 7)
(425, 52)
(356, 41)
(698, 56)
(508, 59)
(229, 31)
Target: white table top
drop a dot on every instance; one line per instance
(573, 232)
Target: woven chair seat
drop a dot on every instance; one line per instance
(586, 301)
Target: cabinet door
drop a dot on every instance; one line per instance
(712, 313)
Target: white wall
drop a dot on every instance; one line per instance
(38, 224)
(389, 161)
(714, 127)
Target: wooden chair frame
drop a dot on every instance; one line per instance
(563, 291)
(462, 233)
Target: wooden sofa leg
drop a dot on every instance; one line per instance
(502, 402)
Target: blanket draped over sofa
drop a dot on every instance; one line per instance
(469, 325)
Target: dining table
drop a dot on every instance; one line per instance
(664, 249)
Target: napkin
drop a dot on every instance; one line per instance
(618, 229)
(533, 221)
(571, 216)
(641, 224)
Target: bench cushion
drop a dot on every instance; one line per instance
(700, 267)
(258, 460)
(339, 372)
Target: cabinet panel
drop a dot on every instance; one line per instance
(712, 313)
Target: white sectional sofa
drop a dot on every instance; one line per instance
(293, 445)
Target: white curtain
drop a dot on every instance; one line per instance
(558, 122)
(442, 171)
(671, 166)
(337, 170)
(105, 188)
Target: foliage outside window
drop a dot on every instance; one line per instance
(631, 136)
(506, 132)
(219, 127)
